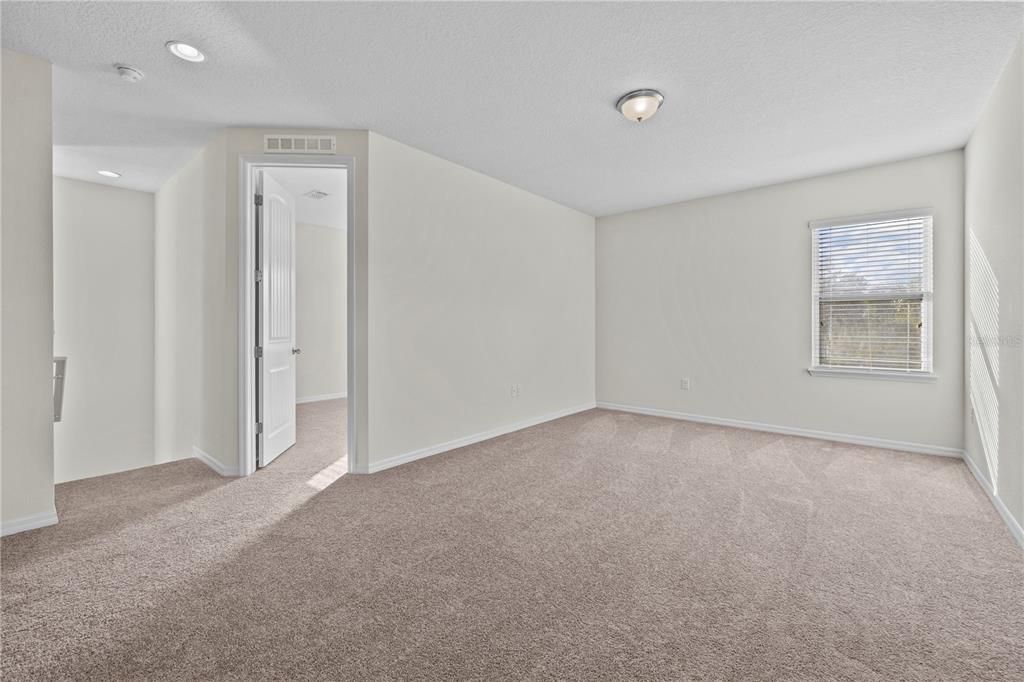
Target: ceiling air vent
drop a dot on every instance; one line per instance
(299, 144)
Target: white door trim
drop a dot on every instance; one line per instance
(248, 164)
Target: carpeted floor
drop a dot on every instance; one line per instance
(602, 545)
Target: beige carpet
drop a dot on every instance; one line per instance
(602, 545)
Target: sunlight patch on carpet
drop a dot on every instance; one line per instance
(329, 474)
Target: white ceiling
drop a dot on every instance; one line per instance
(755, 93)
(332, 210)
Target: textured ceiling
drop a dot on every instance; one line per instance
(332, 210)
(755, 93)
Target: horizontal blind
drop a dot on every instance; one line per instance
(872, 294)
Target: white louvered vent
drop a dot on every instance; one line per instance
(299, 144)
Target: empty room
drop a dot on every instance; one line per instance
(512, 340)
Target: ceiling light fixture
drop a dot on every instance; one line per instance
(109, 174)
(640, 105)
(185, 51)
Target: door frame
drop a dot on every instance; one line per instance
(248, 166)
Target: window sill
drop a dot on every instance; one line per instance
(885, 375)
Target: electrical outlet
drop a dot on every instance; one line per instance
(684, 384)
(516, 389)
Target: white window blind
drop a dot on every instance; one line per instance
(872, 294)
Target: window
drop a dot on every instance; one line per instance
(872, 296)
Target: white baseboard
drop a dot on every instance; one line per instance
(905, 446)
(29, 522)
(318, 398)
(475, 438)
(1015, 528)
(209, 461)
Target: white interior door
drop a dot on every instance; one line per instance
(276, 325)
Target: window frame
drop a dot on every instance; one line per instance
(927, 304)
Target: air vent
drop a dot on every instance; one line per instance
(299, 144)
(315, 194)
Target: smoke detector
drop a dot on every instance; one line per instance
(129, 74)
(315, 194)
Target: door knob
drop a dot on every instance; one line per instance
(296, 351)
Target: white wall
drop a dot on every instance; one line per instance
(994, 168)
(194, 364)
(474, 285)
(103, 322)
(445, 348)
(197, 294)
(719, 290)
(26, 287)
(351, 143)
(320, 303)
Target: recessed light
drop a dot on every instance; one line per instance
(109, 174)
(185, 51)
(640, 105)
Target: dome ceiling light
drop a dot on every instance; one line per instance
(640, 105)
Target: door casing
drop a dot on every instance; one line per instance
(249, 164)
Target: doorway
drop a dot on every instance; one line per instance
(295, 309)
